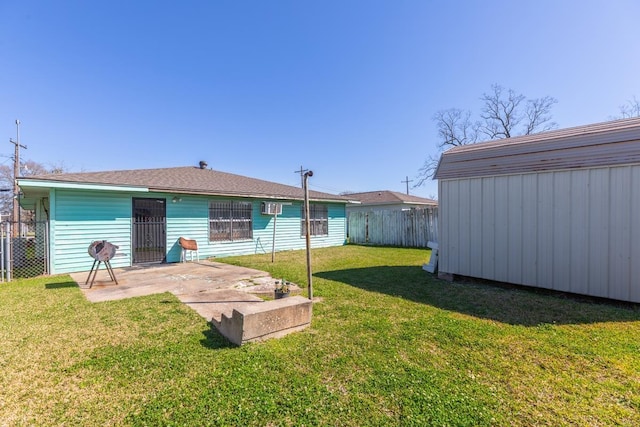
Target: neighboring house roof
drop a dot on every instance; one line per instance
(609, 143)
(186, 180)
(385, 197)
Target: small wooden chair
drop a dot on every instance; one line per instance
(190, 246)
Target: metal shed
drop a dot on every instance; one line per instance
(558, 210)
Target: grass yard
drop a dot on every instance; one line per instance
(388, 345)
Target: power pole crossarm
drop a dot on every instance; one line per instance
(301, 172)
(407, 181)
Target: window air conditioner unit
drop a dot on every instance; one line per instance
(269, 208)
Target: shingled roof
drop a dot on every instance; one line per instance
(385, 197)
(187, 180)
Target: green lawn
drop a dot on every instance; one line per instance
(388, 345)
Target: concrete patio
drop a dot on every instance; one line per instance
(210, 288)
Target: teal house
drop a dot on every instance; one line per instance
(145, 212)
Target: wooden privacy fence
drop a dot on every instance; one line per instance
(410, 228)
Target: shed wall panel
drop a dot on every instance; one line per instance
(561, 226)
(574, 230)
(488, 228)
(544, 255)
(634, 252)
(579, 232)
(619, 233)
(475, 227)
(444, 262)
(529, 246)
(454, 226)
(464, 221)
(501, 228)
(599, 221)
(514, 226)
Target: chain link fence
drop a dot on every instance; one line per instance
(24, 249)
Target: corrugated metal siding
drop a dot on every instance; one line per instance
(515, 225)
(575, 231)
(579, 242)
(530, 228)
(634, 231)
(544, 255)
(464, 203)
(488, 224)
(619, 233)
(598, 231)
(474, 227)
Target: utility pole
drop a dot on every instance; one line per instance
(301, 172)
(16, 173)
(407, 181)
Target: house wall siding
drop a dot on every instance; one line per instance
(288, 232)
(80, 217)
(573, 230)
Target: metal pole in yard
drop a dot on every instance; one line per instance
(307, 233)
(7, 251)
(273, 241)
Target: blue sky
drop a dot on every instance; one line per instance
(259, 88)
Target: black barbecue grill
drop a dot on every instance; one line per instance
(101, 251)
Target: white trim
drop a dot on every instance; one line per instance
(79, 186)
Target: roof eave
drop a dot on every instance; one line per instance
(28, 183)
(39, 183)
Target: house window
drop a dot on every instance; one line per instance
(229, 221)
(318, 220)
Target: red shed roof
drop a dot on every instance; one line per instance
(608, 143)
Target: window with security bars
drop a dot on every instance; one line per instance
(230, 220)
(318, 220)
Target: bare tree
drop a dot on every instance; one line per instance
(630, 109)
(500, 113)
(505, 113)
(27, 168)
(538, 115)
(455, 128)
(427, 170)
